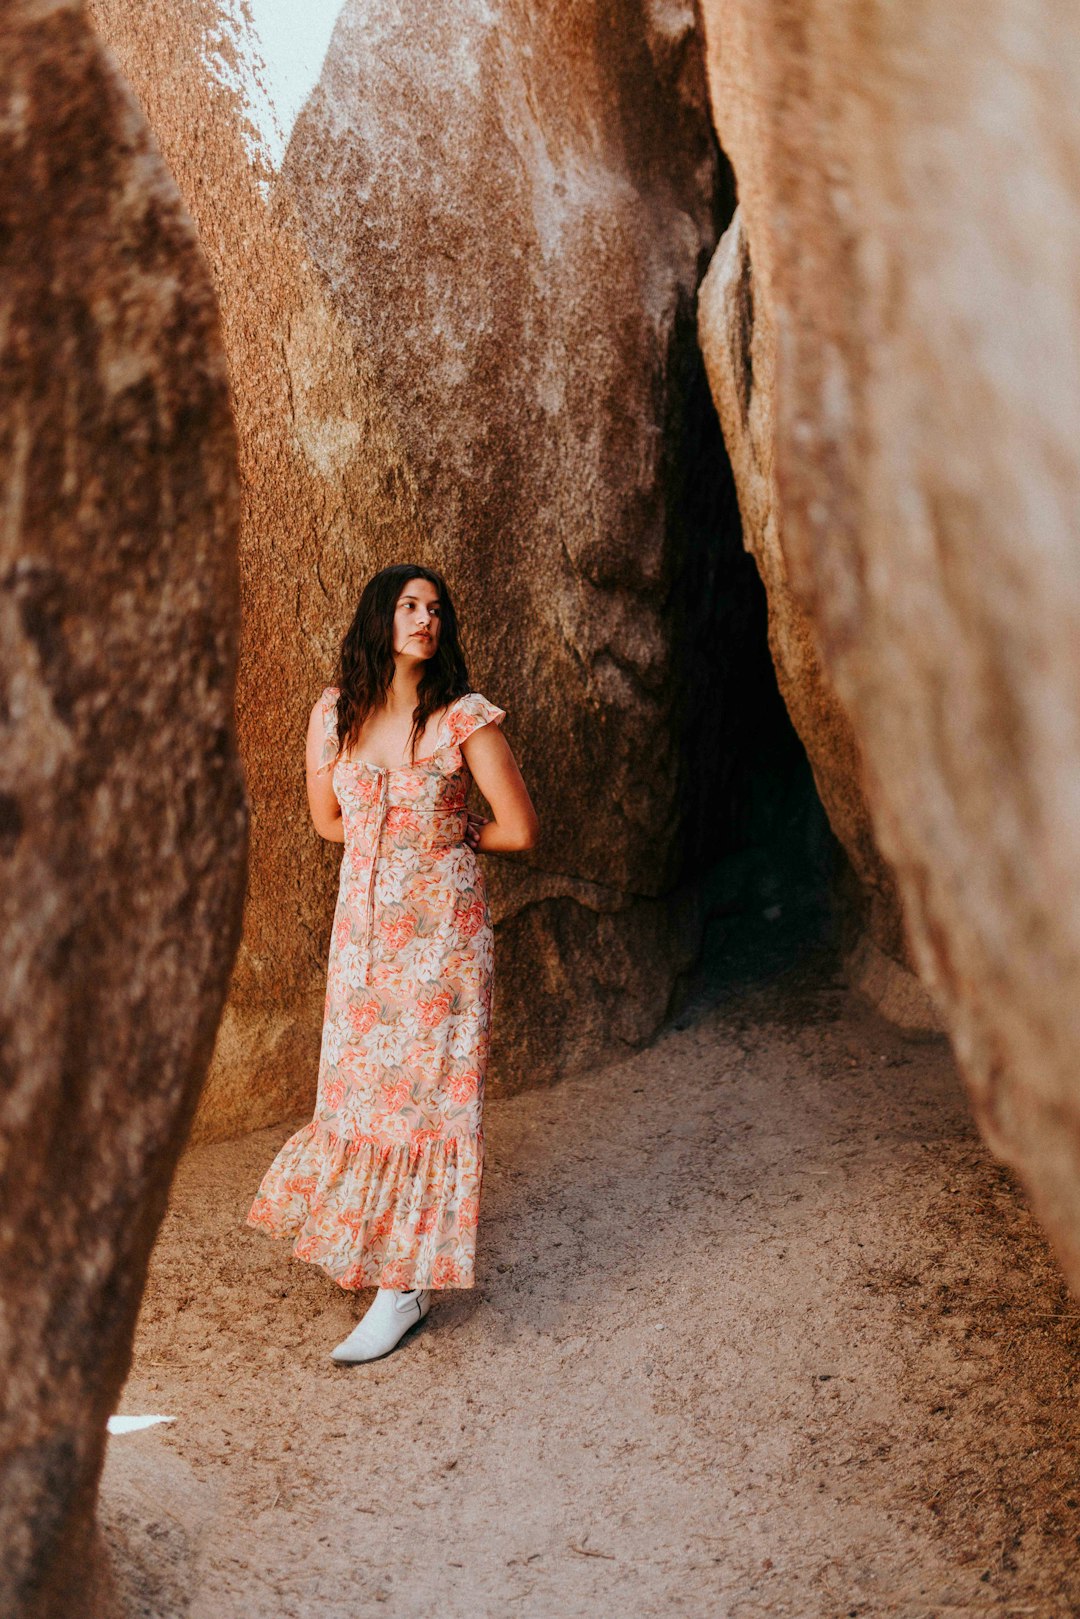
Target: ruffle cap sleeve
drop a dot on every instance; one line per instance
(329, 751)
(469, 713)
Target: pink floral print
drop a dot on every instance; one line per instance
(382, 1188)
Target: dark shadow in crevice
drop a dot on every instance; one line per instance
(753, 839)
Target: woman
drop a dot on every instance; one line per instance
(383, 1186)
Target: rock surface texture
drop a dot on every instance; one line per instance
(457, 264)
(122, 818)
(909, 184)
(738, 339)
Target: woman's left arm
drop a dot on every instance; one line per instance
(513, 824)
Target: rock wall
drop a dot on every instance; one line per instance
(738, 339)
(122, 818)
(456, 246)
(909, 182)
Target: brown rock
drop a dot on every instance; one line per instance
(457, 280)
(909, 187)
(738, 340)
(121, 800)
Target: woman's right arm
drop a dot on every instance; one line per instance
(322, 800)
(494, 770)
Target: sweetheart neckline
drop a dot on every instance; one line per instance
(394, 770)
(389, 770)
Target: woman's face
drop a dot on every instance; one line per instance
(416, 620)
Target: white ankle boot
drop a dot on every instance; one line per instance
(385, 1324)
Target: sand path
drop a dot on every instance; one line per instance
(760, 1329)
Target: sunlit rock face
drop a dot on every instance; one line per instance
(456, 245)
(909, 182)
(121, 799)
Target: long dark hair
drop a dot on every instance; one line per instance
(366, 661)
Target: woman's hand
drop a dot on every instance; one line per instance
(472, 829)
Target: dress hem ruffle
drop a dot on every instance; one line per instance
(372, 1213)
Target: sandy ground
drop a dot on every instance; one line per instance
(760, 1329)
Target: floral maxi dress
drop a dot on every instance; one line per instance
(382, 1188)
